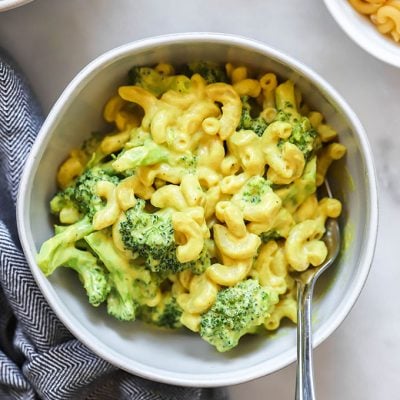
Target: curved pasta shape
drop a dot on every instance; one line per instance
(136, 184)
(286, 308)
(165, 69)
(126, 193)
(169, 196)
(71, 168)
(197, 214)
(113, 107)
(231, 107)
(385, 14)
(229, 165)
(268, 82)
(185, 277)
(192, 191)
(271, 267)
(234, 247)
(201, 296)
(248, 87)
(387, 19)
(145, 99)
(302, 246)
(367, 6)
(211, 126)
(111, 211)
(185, 226)
(185, 100)
(210, 152)
(113, 143)
(246, 147)
(125, 120)
(292, 165)
(163, 171)
(334, 151)
(230, 273)
(326, 133)
(160, 122)
(207, 176)
(307, 209)
(266, 210)
(192, 119)
(273, 156)
(328, 208)
(238, 74)
(213, 196)
(282, 224)
(232, 215)
(233, 183)
(191, 321)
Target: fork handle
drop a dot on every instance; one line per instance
(304, 373)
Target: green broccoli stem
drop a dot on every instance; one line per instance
(90, 273)
(123, 300)
(47, 258)
(296, 193)
(148, 154)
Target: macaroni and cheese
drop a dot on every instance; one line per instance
(199, 203)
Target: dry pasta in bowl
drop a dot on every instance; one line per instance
(385, 14)
(196, 206)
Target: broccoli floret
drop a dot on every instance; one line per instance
(297, 192)
(63, 205)
(254, 189)
(166, 314)
(304, 136)
(81, 198)
(91, 148)
(84, 190)
(148, 154)
(61, 250)
(151, 237)
(202, 263)
(47, 257)
(238, 310)
(270, 235)
(62, 200)
(211, 72)
(186, 161)
(92, 275)
(157, 83)
(130, 284)
(249, 122)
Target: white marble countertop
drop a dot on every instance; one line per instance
(53, 39)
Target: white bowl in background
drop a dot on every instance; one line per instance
(181, 357)
(9, 4)
(360, 29)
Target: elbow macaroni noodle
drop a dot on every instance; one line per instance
(385, 14)
(208, 200)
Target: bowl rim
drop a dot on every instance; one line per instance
(334, 7)
(10, 4)
(86, 336)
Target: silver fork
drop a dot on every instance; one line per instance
(305, 287)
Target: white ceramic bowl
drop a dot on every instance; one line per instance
(9, 4)
(182, 357)
(360, 29)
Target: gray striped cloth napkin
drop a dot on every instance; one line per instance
(39, 358)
